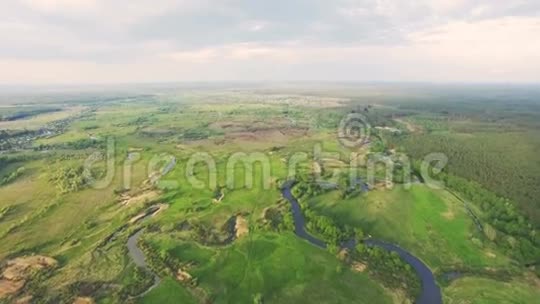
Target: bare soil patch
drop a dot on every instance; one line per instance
(8, 287)
(449, 215)
(24, 300)
(20, 268)
(81, 300)
(183, 276)
(147, 196)
(151, 211)
(241, 226)
(358, 267)
(16, 272)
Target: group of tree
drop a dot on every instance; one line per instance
(506, 164)
(68, 179)
(81, 144)
(326, 227)
(277, 219)
(31, 111)
(389, 269)
(504, 223)
(12, 176)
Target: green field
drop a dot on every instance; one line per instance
(235, 240)
(430, 223)
(484, 291)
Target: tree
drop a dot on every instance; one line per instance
(258, 299)
(360, 248)
(359, 234)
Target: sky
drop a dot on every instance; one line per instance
(132, 41)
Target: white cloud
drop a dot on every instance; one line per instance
(61, 6)
(441, 40)
(446, 6)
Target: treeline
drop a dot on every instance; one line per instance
(12, 176)
(507, 164)
(501, 221)
(80, 144)
(20, 114)
(277, 219)
(17, 158)
(333, 233)
(389, 268)
(504, 223)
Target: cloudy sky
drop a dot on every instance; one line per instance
(122, 41)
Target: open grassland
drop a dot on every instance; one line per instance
(430, 223)
(484, 291)
(281, 268)
(168, 292)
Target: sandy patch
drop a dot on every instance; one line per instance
(358, 267)
(24, 300)
(183, 276)
(241, 227)
(152, 211)
(220, 198)
(81, 300)
(449, 215)
(491, 254)
(343, 254)
(148, 196)
(8, 287)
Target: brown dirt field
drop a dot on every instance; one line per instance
(8, 287)
(20, 268)
(275, 130)
(17, 270)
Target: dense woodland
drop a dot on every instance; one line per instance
(506, 164)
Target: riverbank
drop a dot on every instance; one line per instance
(430, 293)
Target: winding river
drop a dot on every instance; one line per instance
(138, 258)
(430, 293)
